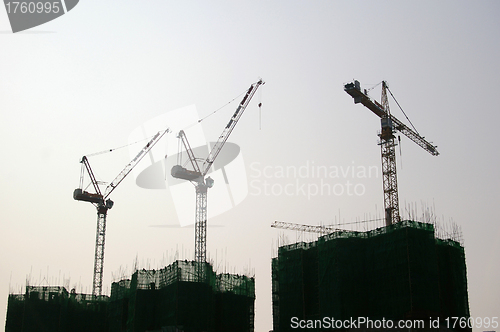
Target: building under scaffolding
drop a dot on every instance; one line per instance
(171, 299)
(398, 272)
(53, 308)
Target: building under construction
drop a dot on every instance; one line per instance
(175, 298)
(398, 272)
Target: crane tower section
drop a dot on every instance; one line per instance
(103, 204)
(198, 173)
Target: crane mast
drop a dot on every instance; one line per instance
(390, 125)
(103, 204)
(202, 184)
(389, 172)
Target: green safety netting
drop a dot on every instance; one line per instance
(397, 272)
(184, 296)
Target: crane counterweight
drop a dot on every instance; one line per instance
(80, 195)
(183, 173)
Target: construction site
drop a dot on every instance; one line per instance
(402, 272)
(399, 271)
(185, 296)
(171, 299)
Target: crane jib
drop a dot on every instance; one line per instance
(246, 96)
(234, 117)
(230, 126)
(242, 103)
(354, 90)
(119, 178)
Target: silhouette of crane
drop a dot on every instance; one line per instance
(101, 201)
(198, 173)
(390, 125)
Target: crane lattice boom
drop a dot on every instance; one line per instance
(305, 228)
(354, 90)
(130, 166)
(229, 127)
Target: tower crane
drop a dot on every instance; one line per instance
(390, 125)
(101, 201)
(198, 173)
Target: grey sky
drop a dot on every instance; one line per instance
(108, 67)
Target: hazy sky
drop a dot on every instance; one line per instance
(85, 81)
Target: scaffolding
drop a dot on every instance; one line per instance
(53, 308)
(235, 297)
(168, 299)
(401, 271)
(174, 298)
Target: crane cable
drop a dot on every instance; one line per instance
(111, 150)
(201, 119)
(260, 109)
(238, 96)
(221, 107)
(407, 118)
(120, 147)
(373, 87)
